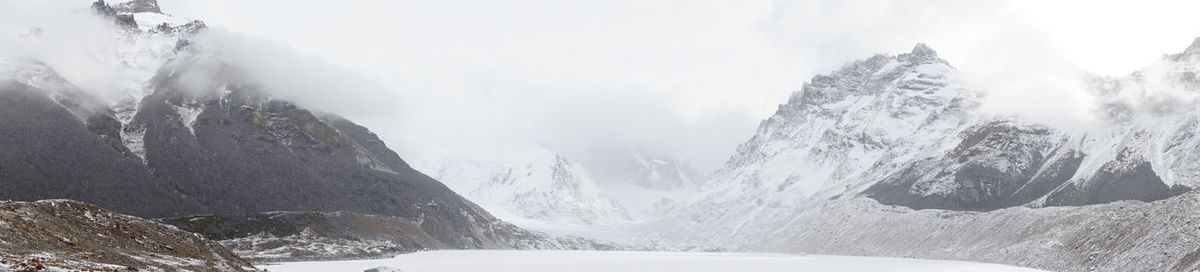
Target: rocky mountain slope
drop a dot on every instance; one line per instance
(64, 235)
(187, 131)
(1118, 236)
(907, 130)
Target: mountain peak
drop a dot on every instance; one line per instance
(1194, 48)
(923, 50)
(1191, 54)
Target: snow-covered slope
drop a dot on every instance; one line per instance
(556, 261)
(847, 128)
(907, 130)
(901, 130)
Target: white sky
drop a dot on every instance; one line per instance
(688, 78)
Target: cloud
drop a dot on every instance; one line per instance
(69, 39)
(691, 78)
(827, 34)
(1022, 73)
(306, 80)
(482, 78)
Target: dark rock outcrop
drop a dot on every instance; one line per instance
(1004, 164)
(998, 164)
(135, 6)
(48, 152)
(119, 17)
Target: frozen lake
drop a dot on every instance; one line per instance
(554, 261)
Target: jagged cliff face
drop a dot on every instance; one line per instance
(191, 134)
(905, 130)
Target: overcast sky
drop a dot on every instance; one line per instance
(687, 78)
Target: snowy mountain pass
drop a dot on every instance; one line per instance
(534, 261)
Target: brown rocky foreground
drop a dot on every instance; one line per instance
(74, 236)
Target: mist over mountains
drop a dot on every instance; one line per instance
(1018, 158)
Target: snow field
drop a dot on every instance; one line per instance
(631, 261)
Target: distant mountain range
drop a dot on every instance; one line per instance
(543, 188)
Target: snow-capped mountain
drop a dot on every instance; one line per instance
(176, 127)
(907, 130)
(538, 189)
(544, 189)
(651, 184)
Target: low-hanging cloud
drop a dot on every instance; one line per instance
(292, 76)
(689, 78)
(1021, 73)
(68, 39)
(486, 78)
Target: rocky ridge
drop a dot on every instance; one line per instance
(65, 235)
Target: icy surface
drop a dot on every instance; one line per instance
(555, 261)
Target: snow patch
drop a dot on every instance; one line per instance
(188, 115)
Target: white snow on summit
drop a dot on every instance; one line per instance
(540, 188)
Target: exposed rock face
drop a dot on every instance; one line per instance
(123, 20)
(48, 152)
(998, 164)
(135, 6)
(76, 236)
(237, 151)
